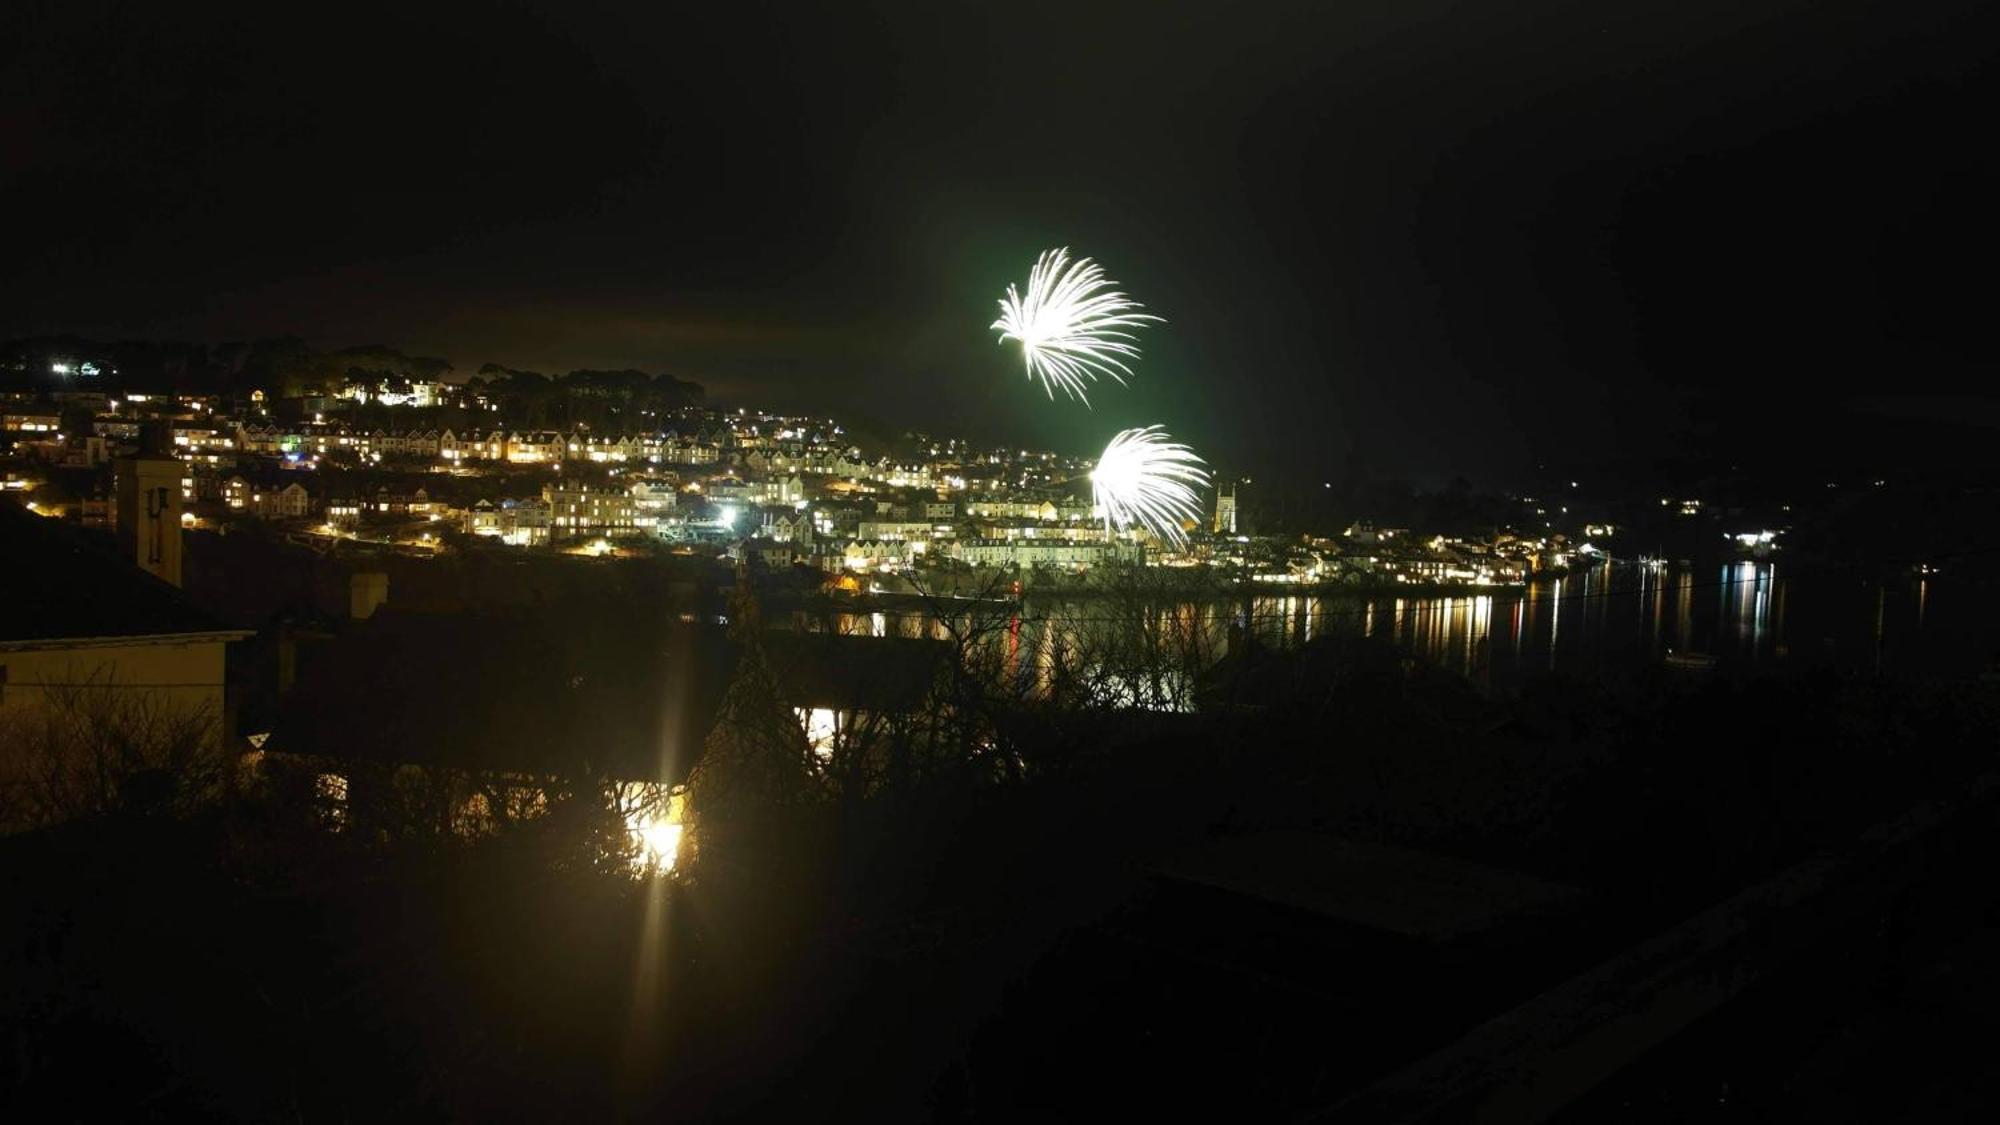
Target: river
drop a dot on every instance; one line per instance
(1738, 615)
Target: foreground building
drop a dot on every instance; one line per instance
(105, 671)
(540, 708)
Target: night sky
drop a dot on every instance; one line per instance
(1422, 238)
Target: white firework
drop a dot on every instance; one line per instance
(1073, 325)
(1148, 479)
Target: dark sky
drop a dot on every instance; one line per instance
(1424, 237)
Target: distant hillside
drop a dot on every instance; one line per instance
(289, 367)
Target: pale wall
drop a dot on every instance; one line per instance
(183, 674)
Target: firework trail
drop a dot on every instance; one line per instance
(1073, 324)
(1145, 478)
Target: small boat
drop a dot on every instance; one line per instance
(1691, 661)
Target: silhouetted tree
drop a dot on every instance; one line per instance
(93, 747)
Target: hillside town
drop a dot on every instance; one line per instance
(424, 465)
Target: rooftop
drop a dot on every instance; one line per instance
(66, 583)
(526, 691)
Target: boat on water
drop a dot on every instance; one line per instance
(1691, 661)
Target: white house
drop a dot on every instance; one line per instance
(1064, 553)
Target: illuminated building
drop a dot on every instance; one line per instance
(580, 510)
(787, 527)
(1004, 508)
(536, 447)
(290, 502)
(878, 555)
(518, 523)
(901, 530)
(31, 422)
(1066, 553)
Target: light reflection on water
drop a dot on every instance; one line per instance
(1741, 613)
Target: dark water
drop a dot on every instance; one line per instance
(1744, 615)
(1740, 615)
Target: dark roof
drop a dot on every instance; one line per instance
(68, 583)
(1423, 895)
(516, 692)
(633, 696)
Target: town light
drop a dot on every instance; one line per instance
(659, 845)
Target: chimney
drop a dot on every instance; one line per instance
(148, 496)
(366, 592)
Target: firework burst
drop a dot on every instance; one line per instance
(1073, 324)
(1148, 479)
